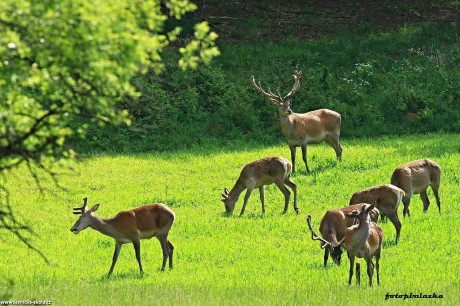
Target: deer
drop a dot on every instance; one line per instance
(414, 178)
(257, 174)
(130, 226)
(363, 240)
(302, 129)
(387, 199)
(332, 229)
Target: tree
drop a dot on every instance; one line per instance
(68, 60)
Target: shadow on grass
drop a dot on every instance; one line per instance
(389, 243)
(7, 292)
(121, 276)
(226, 214)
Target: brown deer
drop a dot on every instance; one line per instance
(362, 240)
(386, 199)
(130, 226)
(302, 129)
(332, 229)
(415, 177)
(258, 173)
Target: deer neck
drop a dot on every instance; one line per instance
(234, 194)
(287, 123)
(102, 226)
(362, 231)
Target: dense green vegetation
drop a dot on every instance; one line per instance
(65, 66)
(400, 81)
(71, 67)
(255, 259)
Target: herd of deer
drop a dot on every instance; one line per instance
(353, 227)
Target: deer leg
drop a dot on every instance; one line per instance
(304, 156)
(287, 195)
(165, 247)
(333, 141)
(246, 197)
(406, 202)
(171, 251)
(377, 266)
(326, 255)
(262, 197)
(358, 273)
(425, 200)
(293, 149)
(436, 195)
(293, 186)
(137, 249)
(370, 268)
(352, 263)
(395, 220)
(115, 256)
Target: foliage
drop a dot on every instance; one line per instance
(397, 82)
(74, 59)
(255, 259)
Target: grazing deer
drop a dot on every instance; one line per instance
(386, 199)
(362, 240)
(302, 129)
(258, 173)
(332, 229)
(415, 177)
(130, 226)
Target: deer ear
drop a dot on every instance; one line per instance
(226, 192)
(371, 207)
(94, 208)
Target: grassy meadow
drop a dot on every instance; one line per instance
(254, 259)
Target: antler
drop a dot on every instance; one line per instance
(225, 194)
(81, 210)
(268, 94)
(297, 75)
(314, 236)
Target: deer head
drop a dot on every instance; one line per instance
(335, 250)
(228, 201)
(363, 215)
(86, 216)
(282, 103)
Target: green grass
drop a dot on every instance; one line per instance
(254, 259)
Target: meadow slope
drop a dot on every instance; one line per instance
(254, 259)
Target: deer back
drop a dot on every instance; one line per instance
(416, 176)
(266, 171)
(312, 126)
(387, 197)
(143, 222)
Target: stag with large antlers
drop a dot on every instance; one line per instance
(130, 226)
(302, 129)
(258, 173)
(332, 229)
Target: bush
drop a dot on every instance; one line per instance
(403, 81)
